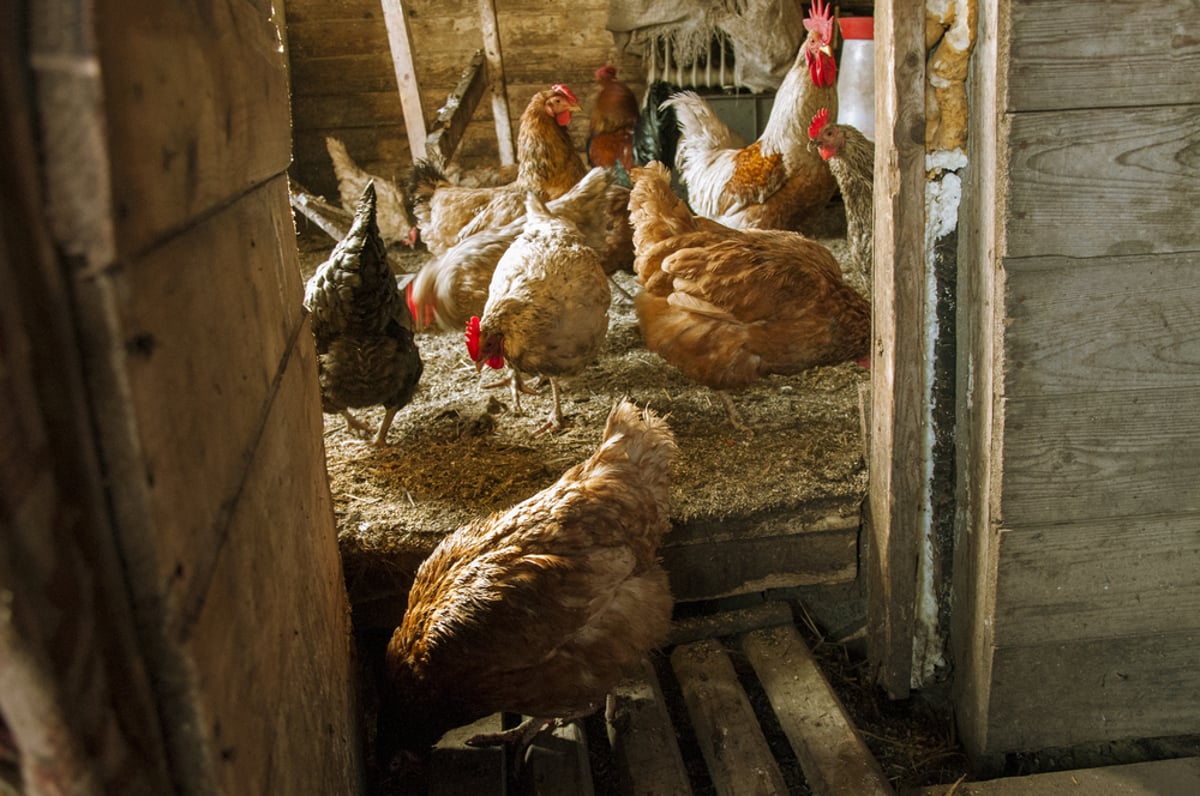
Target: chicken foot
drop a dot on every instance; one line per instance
(735, 419)
(520, 737)
(517, 384)
(555, 423)
(381, 438)
(354, 423)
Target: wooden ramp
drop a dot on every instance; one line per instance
(715, 702)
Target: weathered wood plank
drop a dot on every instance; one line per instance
(1105, 579)
(557, 763)
(729, 623)
(1121, 323)
(275, 684)
(456, 768)
(899, 367)
(1124, 53)
(722, 569)
(188, 106)
(173, 316)
(400, 41)
(643, 740)
(456, 112)
(1181, 775)
(1103, 182)
(1103, 454)
(1088, 692)
(324, 38)
(739, 760)
(499, 81)
(833, 756)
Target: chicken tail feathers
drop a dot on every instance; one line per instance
(655, 212)
(641, 435)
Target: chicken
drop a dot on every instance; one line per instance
(540, 609)
(727, 307)
(851, 158)
(547, 165)
(547, 307)
(657, 133)
(449, 289)
(776, 182)
(612, 123)
(366, 355)
(391, 201)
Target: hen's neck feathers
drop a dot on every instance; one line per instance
(546, 159)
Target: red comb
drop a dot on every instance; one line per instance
(561, 88)
(820, 20)
(473, 338)
(606, 72)
(819, 120)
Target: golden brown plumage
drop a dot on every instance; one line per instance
(542, 608)
(547, 307)
(776, 182)
(612, 123)
(547, 165)
(452, 287)
(727, 307)
(366, 355)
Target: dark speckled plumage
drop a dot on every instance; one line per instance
(366, 355)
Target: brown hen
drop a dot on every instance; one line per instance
(542, 608)
(776, 182)
(727, 307)
(612, 123)
(547, 165)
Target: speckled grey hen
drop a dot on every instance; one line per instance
(366, 355)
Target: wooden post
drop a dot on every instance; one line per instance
(899, 367)
(495, 59)
(406, 75)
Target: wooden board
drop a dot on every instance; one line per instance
(834, 757)
(557, 763)
(739, 761)
(1103, 182)
(197, 114)
(643, 740)
(1112, 323)
(1123, 53)
(456, 113)
(899, 365)
(1110, 578)
(395, 16)
(1086, 692)
(456, 768)
(1155, 778)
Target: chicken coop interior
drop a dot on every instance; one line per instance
(866, 442)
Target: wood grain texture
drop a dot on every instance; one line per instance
(1103, 454)
(395, 16)
(1066, 694)
(1110, 578)
(1103, 183)
(190, 93)
(643, 740)
(739, 760)
(1113, 323)
(898, 368)
(1122, 53)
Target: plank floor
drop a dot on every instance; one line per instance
(750, 711)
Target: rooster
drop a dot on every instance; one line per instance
(776, 182)
(540, 609)
(727, 307)
(657, 133)
(547, 165)
(851, 158)
(365, 350)
(391, 201)
(547, 307)
(612, 123)
(449, 289)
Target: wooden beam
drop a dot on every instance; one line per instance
(899, 368)
(495, 58)
(456, 113)
(406, 75)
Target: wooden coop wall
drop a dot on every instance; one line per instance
(164, 133)
(1077, 612)
(344, 84)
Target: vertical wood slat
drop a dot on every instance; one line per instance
(406, 75)
(899, 368)
(495, 59)
(643, 739)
